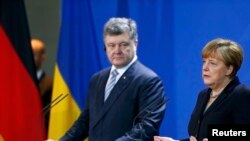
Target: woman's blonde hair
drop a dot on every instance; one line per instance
(226, 50)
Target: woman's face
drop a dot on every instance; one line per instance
(214, 72)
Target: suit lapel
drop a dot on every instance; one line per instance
(226, 93)
(118, 89)
(217, 103)
(100, 93)
(42, 76)
(203, 104)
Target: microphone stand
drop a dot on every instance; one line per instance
(46, 109)
(145, 112)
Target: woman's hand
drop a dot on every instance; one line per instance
(158, 138)
(192, 138)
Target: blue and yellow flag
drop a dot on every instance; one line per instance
(77, 60)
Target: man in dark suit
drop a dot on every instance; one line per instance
(125, 102)
(45, 81)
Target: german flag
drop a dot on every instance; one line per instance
(21, 116)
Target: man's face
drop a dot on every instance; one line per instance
(120, 49)
(38, 52)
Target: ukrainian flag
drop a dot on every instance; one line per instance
(77, 60)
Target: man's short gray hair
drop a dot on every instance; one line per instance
(118, 26)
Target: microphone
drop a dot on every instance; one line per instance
(53, 103)
(47, 108)
(146, 111)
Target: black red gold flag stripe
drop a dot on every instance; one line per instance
(20, 105)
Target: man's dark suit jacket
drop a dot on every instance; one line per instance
(231, 107)
(133, 111)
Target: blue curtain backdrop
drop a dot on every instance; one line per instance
(171, 36)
